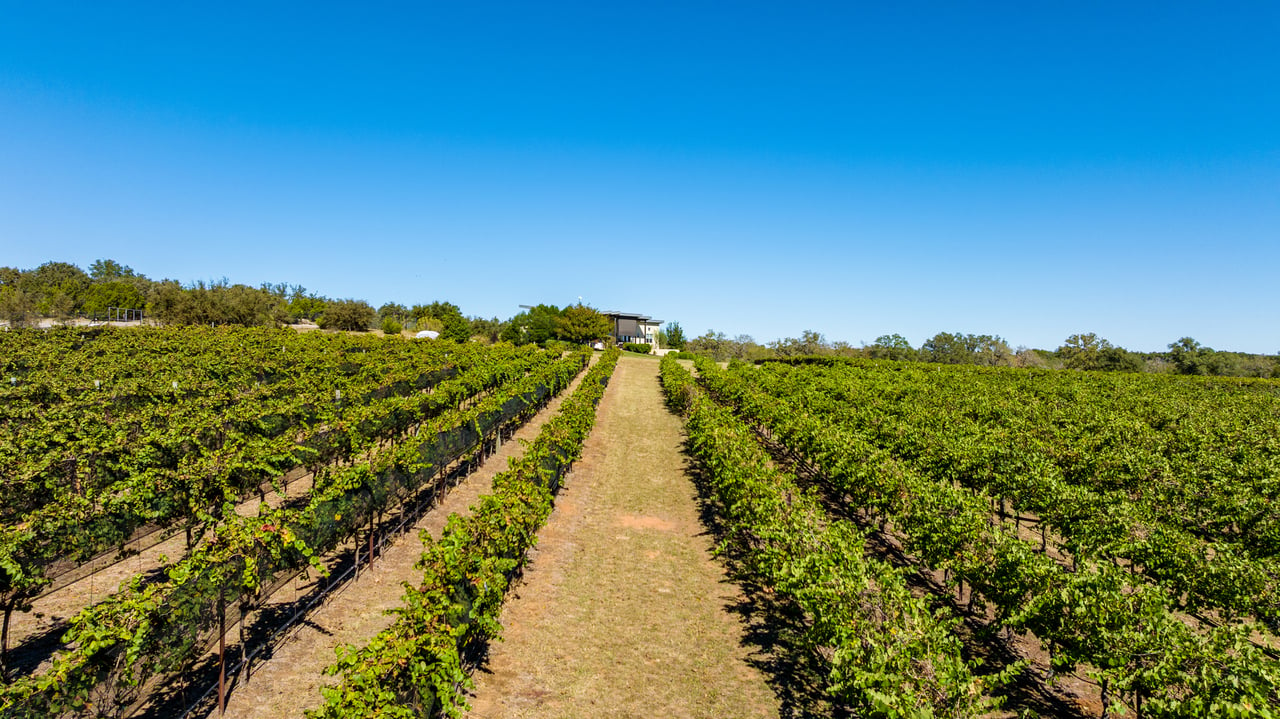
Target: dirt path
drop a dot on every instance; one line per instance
(290, 681)
(623, 610)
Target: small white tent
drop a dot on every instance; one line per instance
(427, 335)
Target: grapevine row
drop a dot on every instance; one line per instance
(148, 631)
(1127, 636)
(1196, 573)
(1202, 454)
(199, 488)
(890, 654)
(416, 667)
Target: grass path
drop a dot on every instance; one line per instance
(623, 612)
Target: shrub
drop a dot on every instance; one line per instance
(390, 326)
(349, 315)
(637, 347)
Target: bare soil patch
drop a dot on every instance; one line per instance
(631, 521)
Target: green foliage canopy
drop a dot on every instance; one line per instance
(115, 293)
(892, 347)
(948, 348)
(672, 337)
(536, 325)
(580, 324)
(348, 315)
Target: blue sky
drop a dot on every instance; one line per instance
(1030, 170)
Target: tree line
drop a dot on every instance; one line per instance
(63, 291)
(1083, 351)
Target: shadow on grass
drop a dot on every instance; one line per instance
(37, 647)
(26, 655)
(775, 626)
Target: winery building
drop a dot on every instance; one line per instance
(631, 327)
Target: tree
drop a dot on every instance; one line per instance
(490, 329)
(220, 303)
(349, 315)
(116, 293)
(989, 350)
(305, 306)
(1189, 357)
(1083, 351)
(720, 347)
(516, 330)
(1027, 358)
(948, 348)
(945, 348)
(580, 324)
(15, 306)
(810, 342)
(842, 348)
(108, 270)
(1118, 359)
(436, 311)
(543, 320)
(456, 328)
(536, 324)
(426, 323)
(672, 336)
(453, 325)
(892, 347)
(711, 343)
(250, 306)
(393, 311)
(745, 347)
(56, 288)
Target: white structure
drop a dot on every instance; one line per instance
(632, 327)
(427, 335)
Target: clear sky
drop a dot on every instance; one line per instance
(1026, 169)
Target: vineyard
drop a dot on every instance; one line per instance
(1123, 525)
(255, 455)
(942, 538)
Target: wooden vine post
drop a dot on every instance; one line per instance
(9, 606)
(244, 645)
(222, 654)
